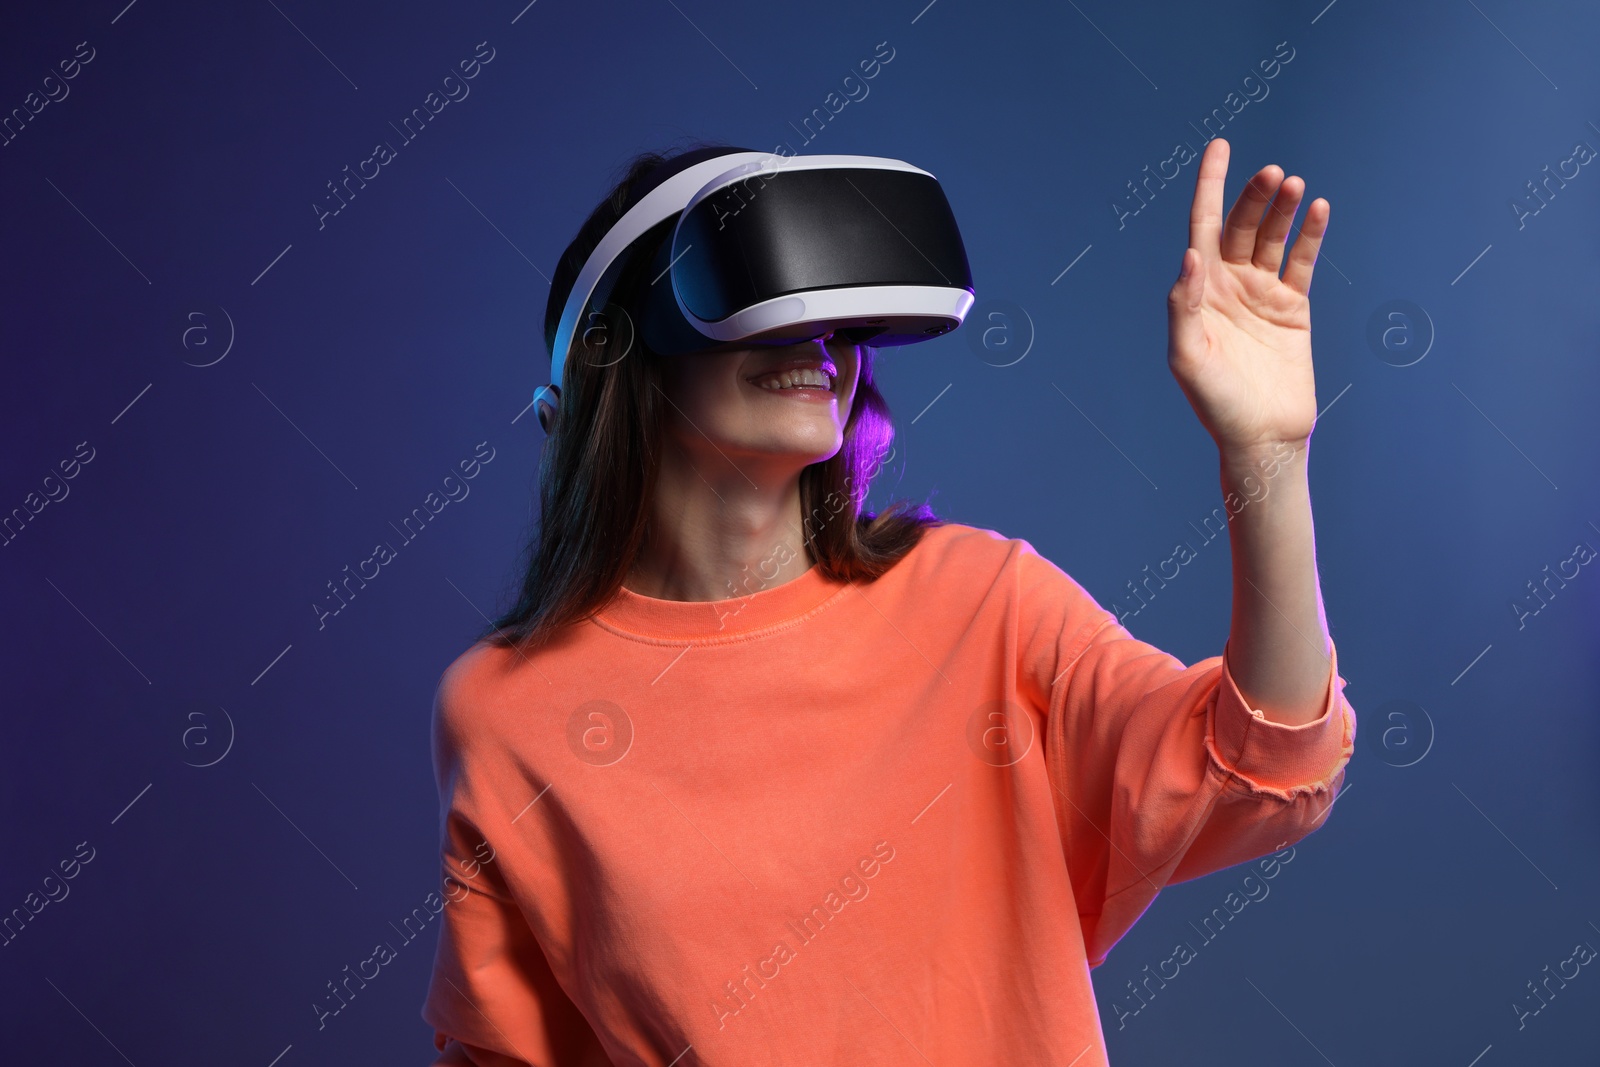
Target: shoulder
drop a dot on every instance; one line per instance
(468, 691)
(467, 672)
(959, 546)
(950, 541)
(963, 553)
(957, 558)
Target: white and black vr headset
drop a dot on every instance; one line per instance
(751, 248)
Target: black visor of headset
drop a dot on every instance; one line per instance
(752, 248)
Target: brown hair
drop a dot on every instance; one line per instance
(598, 467)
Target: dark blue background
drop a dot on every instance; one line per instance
(379, 350)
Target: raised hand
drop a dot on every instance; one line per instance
(1239, 336)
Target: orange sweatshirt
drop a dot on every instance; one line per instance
(822, 823)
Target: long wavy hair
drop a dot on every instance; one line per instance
(598, 466)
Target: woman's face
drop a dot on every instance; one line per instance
(764, 404)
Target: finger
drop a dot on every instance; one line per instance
(1280, 217)
(1239, 233)
(1303, 256)
(1205, 214)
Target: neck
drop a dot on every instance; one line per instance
(719, 531)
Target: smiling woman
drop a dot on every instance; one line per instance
(668, 773)
(622, 405)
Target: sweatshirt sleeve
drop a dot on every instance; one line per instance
(492, 998)
(1161, 772)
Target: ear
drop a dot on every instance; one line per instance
(547, 402)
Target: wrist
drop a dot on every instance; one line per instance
(1252, 471)
(1263, 457)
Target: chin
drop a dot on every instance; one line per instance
(805, 448)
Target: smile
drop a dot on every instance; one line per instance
(800, 376)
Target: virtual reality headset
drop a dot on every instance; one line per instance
(747, 248)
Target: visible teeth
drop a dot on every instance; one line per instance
(792, 378)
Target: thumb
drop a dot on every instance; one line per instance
(1183, 305)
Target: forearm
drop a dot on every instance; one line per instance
(1278, 643)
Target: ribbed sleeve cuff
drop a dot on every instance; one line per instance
(1271, 757)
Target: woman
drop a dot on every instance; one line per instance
(748, 776)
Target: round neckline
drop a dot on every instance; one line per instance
(635, 615)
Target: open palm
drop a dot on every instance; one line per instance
(1239, 336)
